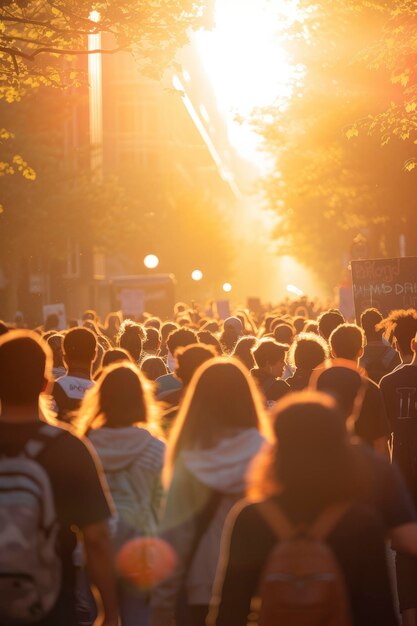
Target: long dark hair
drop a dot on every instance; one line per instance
(310, 459)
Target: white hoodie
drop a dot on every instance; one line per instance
(197, 475)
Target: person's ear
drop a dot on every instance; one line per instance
(413, 345)
(360, 353)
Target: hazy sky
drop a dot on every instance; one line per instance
(246, 62)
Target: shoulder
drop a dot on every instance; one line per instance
(373, 391)
(367, 462)
(152, 456)
(391, 379)
(245, 517)
(68, 446)
(282, 385)
(361, 520)
(163, 378)
(372, 386)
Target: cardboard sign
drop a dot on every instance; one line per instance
(132, 302)
(254, 304)
(56, 309)
(385, 284)
(223, 309)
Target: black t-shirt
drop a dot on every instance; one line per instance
(357, 543)
(379, 359)
(399, 392)
(299, 380)
(80, 494)
(380, 485)
(372, 422)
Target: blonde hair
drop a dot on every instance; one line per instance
(221, 399)
(121, 397)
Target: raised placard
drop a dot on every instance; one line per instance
(385, 284)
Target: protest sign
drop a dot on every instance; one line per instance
(132, 302)
(385, 284)
(59, 311)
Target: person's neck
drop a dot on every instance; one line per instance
(355, 360)
(79, 370)
(406, 359)
(19, 414)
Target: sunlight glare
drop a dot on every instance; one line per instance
(246, 61)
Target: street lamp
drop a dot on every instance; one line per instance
(151, 261)
(197, 275)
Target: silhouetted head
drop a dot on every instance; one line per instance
(25, 367)
(120, 398)
(79, 347)
(328, 321)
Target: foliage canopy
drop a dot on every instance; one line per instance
(39, 39)
(343, 146)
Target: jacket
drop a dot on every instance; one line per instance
(273, 388)
(197, 475)
(135, 452)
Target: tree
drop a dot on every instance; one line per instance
(49, 195)
(41, 42)
(66, 205)
(332, 178)
(39, 39)
(62, 203)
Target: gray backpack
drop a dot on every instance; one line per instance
(30, 568)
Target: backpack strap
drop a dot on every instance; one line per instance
(47, 433)
(268, 385)
(203, 521)
(276, 520)
(283, 529)
(328, 519)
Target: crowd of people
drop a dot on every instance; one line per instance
(263, 468)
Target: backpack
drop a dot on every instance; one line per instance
(302, 584)
(128, 521)
(30, 568)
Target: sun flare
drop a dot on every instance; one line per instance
(247, 63)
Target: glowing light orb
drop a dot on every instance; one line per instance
(151, 261)
(295, 290)
(227, 287)
(197, 275)
(94, 16)
(146, 561)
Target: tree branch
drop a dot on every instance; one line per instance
(49, 25)
(14, 52)
(94, 26)
(25, 40)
